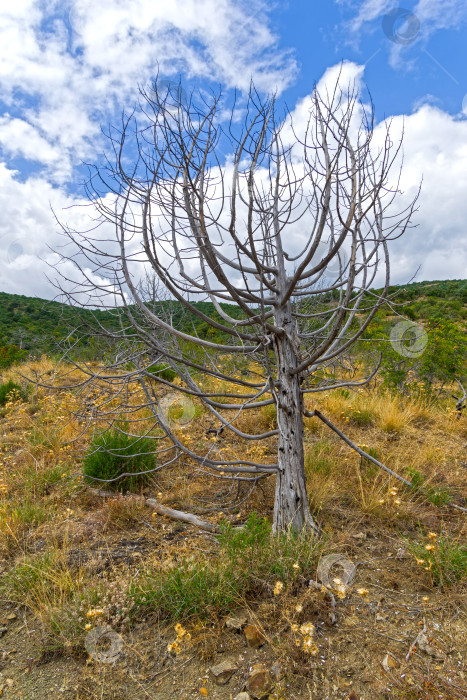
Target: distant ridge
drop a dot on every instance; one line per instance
(37, 325)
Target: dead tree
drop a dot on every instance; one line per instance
(287, 223)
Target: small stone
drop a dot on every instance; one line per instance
(236, 622)
(254, 637)
(423, 644)
(380, 618)
(12, 616)
(259, 681)
(242, 696)
(359, 536)
(223, 672)
(389, 662)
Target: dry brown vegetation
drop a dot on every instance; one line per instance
(72, 559)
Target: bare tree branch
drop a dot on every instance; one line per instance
(283, 237)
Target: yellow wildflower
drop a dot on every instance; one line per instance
(309, 647)
(278, 587)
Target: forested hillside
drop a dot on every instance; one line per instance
(31, 327)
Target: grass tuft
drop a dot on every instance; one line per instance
(443, 558)
(250, 559)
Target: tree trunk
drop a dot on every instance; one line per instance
(291, 507)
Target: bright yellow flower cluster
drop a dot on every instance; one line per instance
(306, 643)
(94, 612)
(182, 635)
(278, 588)
(430, 547)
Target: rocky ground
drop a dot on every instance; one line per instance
(390, 634)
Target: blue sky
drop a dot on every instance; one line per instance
(432, 67)
(68, 67)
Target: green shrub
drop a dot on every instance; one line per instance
(32, 513)
(162, 372)
(359, 417)
(438, 495)
(444, 559)
(9, 390)
(10, 355)
(41, 483)
(189, 590)
(115, 453)
(265, 554)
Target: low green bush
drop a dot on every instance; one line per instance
(10, 390)
(361, 417)
(10, 355)
(115, 453)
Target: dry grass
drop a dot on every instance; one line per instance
(48, 517)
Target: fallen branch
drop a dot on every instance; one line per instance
(102, 493)
(419, 636)
(180, 515)
(318, 414)
(362, 453)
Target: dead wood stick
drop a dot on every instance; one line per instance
(180, 515)
(415, 642)
(102, 493)
(362, 453)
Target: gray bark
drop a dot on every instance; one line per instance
(291, 508)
